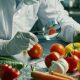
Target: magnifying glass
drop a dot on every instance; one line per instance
(51, 30)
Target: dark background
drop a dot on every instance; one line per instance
(73, 7)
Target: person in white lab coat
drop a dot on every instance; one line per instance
(17, 18)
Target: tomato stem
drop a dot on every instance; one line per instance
(69, 54)
(32, 68)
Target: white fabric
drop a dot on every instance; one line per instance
(50, 9)
(21, 41)
(7, 9)
(25, 17)
(22, 18)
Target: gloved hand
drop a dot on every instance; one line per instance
(21, 41)
(69, 32)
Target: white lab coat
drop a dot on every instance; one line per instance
(23, 16)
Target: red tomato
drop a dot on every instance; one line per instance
(72, 61)
(36, 51)
(77, 53)
(8, 73)
(53, 56)
(52, 32)
(57, 47)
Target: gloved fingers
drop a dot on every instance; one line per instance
(31, 36)
(27, 40)
(25, 36)
(22, 35)
(21, 41)
(67, 33)
(25, 47)
(18, 37)
(29, 47)
(31, 44)
(28, 44)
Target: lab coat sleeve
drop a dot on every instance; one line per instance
(53, 9)
(3, 45)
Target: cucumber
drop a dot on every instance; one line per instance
(15, 64)
(5, 58)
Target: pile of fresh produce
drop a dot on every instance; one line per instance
(60, 60)
(69, 53)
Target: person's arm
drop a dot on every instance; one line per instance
(3, 44)
(50, 9)
(20, 42)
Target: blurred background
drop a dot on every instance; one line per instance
(73, 7)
